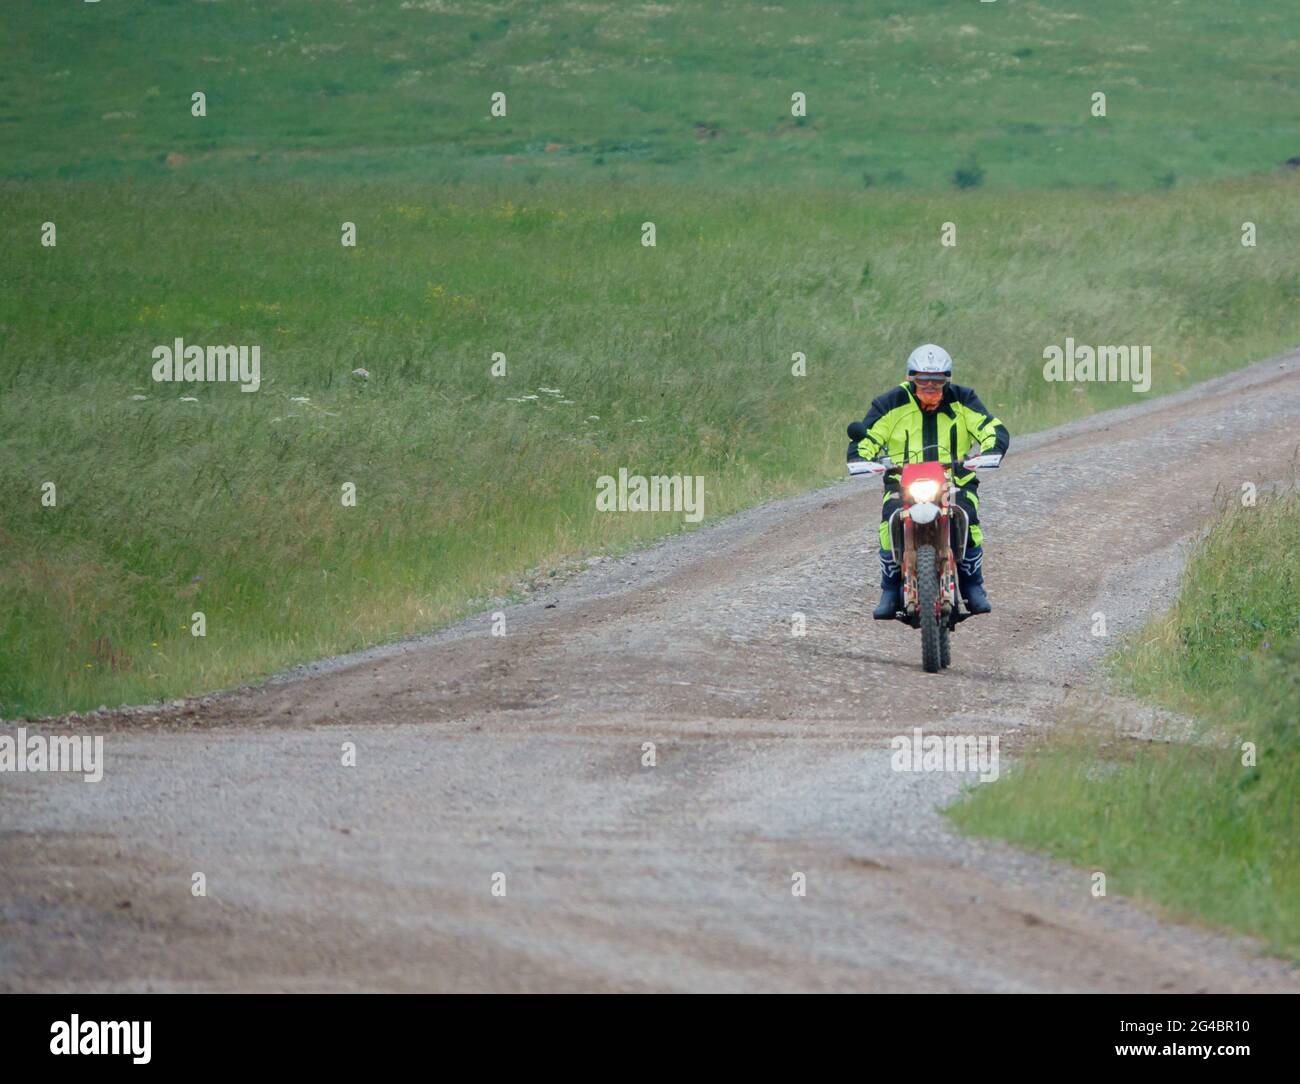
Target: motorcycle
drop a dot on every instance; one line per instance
(928, 535)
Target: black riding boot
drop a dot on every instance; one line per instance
(970, 580)
(891, 588)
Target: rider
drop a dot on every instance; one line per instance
(928, 418)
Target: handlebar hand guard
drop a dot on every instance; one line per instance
(866, 466)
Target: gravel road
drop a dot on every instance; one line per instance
(523, 755)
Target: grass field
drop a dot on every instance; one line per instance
(899, 95)
(522, 235)
(673, 359)
(1197, 828)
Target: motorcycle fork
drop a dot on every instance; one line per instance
(938, 535)
(945, 558)
(908, 567)
(930, 534)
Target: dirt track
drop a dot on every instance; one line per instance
(522, 754)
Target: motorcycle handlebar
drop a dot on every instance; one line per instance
(878, 467)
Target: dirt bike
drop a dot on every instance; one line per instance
(928, 537)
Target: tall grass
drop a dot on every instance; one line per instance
(672, 359)
(1210, 829)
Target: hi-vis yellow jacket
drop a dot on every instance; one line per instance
(897, 425)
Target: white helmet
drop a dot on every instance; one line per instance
(930, 359)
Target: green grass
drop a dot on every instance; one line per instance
(899, 95)
(676, 359)
(1190, 827)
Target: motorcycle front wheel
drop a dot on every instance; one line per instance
(927, 597)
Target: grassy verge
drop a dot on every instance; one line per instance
(1191, 827)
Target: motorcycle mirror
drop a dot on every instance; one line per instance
(857, 430)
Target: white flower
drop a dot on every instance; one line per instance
(363, 373)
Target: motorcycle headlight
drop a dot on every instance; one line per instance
(924, 490)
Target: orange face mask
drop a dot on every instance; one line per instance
(929, 395)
